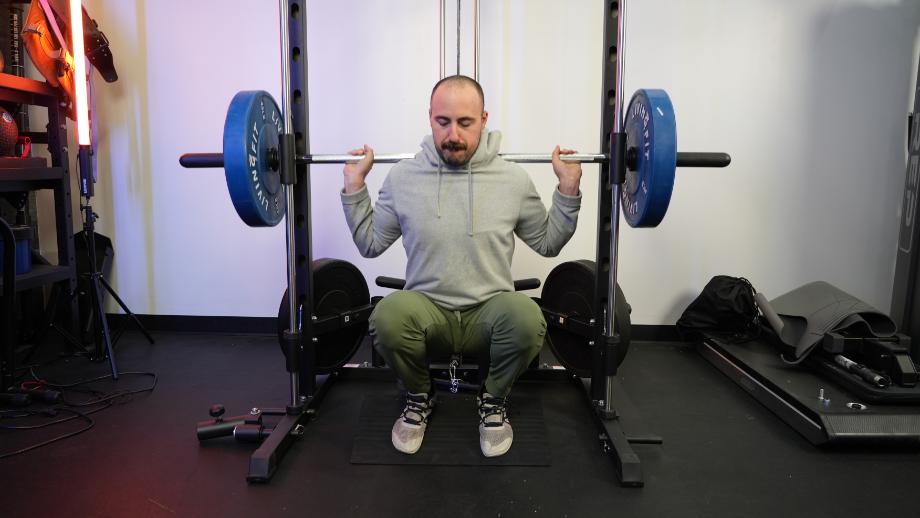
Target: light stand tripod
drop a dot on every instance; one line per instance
(102, 335)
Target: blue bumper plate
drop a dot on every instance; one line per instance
(651, 138)
(251, 158)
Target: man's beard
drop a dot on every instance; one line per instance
(453, 146)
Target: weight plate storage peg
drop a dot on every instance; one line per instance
(251, 158)
(652, 132)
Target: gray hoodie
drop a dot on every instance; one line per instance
(458, 223)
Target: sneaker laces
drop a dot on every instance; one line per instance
(417, 404)
(490, 408)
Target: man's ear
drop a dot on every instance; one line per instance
(485, 117)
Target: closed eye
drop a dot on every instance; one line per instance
(465, 122)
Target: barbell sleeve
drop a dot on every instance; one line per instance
(202, 160)
(686, 159)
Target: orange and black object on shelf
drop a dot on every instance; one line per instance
(47, 38)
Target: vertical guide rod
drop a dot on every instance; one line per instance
(615, 210)
(458, 37)
(289, 189)
(442, 51)
(476, 40)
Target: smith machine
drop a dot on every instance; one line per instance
(266, 159)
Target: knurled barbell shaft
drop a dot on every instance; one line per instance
(524, 158)
(684, 159)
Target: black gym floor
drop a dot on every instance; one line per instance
(723, 453)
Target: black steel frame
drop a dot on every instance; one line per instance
(264, 461)
(816, 406)
(905, 298)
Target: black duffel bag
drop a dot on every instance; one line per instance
(725, 309)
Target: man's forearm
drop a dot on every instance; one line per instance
(569, 188)
(354, 186)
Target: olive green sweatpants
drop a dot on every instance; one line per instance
(408, 329)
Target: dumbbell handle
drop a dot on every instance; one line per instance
(684, 159)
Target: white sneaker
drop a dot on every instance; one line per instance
(495, 434)
(409, 429)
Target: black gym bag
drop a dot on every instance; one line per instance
(725, 309)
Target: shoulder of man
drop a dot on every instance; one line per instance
(409, 166)
(513, 170)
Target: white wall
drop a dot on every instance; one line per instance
(810, 99)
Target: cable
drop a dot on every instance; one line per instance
(115, 395)
(106, 400)
(49, 412)
(31, 385)
(90, 424)
(22, 369)
(102, 399)
(77, 383)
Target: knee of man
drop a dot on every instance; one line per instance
(526, 320)
(388, 319)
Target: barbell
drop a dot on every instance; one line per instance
(684, 159)
(251, 158)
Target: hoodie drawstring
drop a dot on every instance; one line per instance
(439, 188)
(469, 221)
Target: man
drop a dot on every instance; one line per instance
(457, 206)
